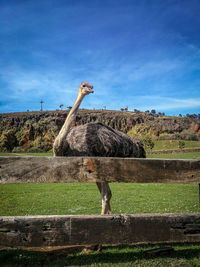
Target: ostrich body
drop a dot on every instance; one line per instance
(94, 139)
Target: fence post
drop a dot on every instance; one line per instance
(199, 194)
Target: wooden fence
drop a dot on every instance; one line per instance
(43, 231)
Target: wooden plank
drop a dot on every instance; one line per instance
(92, 169)
(41, 231)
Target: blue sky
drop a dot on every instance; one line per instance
(144, 54)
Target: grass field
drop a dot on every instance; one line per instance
(173, 144)
(75, 198)
(49, 199)
(7, 154)
(192, 155)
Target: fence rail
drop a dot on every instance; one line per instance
(98, 169)
(41, 231)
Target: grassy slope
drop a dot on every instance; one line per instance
(159, 145)
(26, 199)
(192, 155)
(7, 154)
(173, 144)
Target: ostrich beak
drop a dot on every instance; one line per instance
(92, 91)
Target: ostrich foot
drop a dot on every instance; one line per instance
(106, 209)
(91, 249)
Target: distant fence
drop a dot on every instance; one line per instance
(41, 231)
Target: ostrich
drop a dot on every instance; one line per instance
(94, 139)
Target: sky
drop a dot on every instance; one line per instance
(144, 54)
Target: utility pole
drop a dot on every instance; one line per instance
(41, 102)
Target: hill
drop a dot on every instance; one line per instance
(35, 131)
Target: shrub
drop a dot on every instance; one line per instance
(18, 149)
(181, 144)
(35, 150)
(188, 135)
(165, 136)
(8, 141)
(139, 130)
(148, 142)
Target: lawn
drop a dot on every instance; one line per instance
(75, 198)
(186, 255)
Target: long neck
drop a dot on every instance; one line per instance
(71, 117)
(59, 141)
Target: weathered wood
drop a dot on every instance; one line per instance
(199, 194)
(98, 169)
(41, 231)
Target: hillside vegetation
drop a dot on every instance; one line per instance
(36, 131)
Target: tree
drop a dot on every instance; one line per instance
(181, 144)
(61, 106)
(148, 142)
(153, 111)
(194, 116)
(69, 107)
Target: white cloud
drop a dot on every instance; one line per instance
(154, 68)
(168, 103)
(22, 81)
(115, 86)
(24, 86)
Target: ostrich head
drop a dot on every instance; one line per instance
(85, 89)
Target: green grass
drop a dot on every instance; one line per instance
(187, 255)
(185, 155)
(76, 198)
(192, 155)
(7, 154)
(173, 144)
(159, 145)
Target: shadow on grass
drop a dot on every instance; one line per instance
(109, 255)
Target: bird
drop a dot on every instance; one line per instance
(96, 140)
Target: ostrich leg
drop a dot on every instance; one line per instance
(106, 195)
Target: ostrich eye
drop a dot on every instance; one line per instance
(84, 85)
